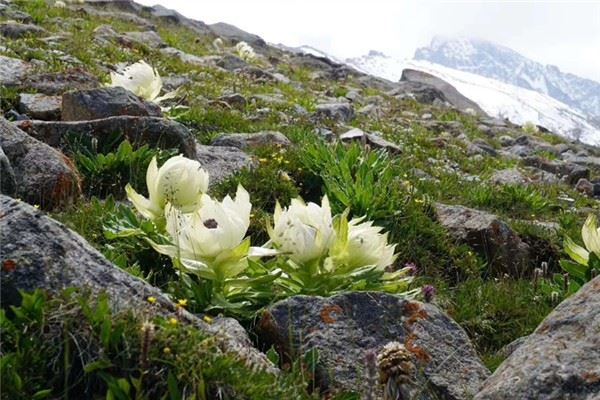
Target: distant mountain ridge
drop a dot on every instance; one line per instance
(491, 60)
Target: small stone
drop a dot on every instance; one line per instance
(341, 112)
(252, 140)
(585, 186)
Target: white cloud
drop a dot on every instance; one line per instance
(566, 34)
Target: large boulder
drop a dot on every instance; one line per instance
(345, 327)
(83, 105)
(156, 132)
(43, 175)
(38, 252)
(494, 240)
(559, 360)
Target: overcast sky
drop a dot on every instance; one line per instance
(563, 33)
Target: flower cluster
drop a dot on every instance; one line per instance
(312, 251)
(245, 51)
(206, 236)
(143, 80)
(306, 233)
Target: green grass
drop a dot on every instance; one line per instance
(73, 346)
(496, 312)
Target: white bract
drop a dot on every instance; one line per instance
(211, 241)
(59, 4)
(590, 233)
(180, 181)
(303, 231)
(363, 244)
(245, 51)
(141, 79)
(218, 45)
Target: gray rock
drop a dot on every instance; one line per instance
(374, 140)
(189, 58)
(559, 360)
(344, 327)
(230, 62)
(49, 256)
(506, 141)
(40, 106)
(8, 181)
(479, 146)
(13, 71)
(370, 110)
(156, 132)
(221, 161)
(340, 112)
(11, 13)
(120, 14)
(584, 186)
(173, 16)
(540, 176)
(60, 82)
(450, 94)
(511, 176)
(105, 102)
(235, 100)
(244, 141)
(268, 99)
(147, 38)
(235, 34)
(16, 30)
(491, 238)
(43, 175)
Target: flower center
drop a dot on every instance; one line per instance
(211, 224)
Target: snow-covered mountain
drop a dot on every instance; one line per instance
(488, 59)
(496, 98)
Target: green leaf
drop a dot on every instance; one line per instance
(575, 270)
(97, 365)
(311, 359)
(174, 393)
(273, 356)
(42, 394)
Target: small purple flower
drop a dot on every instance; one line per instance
(412, 268)
(428, 292)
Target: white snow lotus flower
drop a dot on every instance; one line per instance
(180, 182)
(141, 79)
(210, 242)
(304, 231)
(245, 51)
(590, 233)
(361, 244)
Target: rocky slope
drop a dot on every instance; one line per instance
(477, 206)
